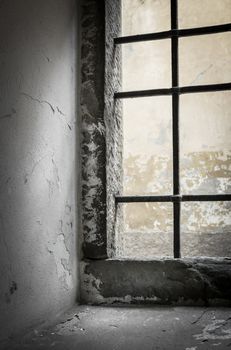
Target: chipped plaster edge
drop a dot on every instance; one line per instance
(114, 125)
(93, 143)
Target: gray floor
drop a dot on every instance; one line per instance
(135, 327)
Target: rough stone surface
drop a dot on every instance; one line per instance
(101, 126)
(93, 129)
(132, 328)
(113, 119)
(167, 281)
(38, 258)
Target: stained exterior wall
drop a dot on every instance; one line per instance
(38, 248)
(205, 124)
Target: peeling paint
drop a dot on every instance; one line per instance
(38, 92)
(56, 171)
(93, 131)
(148, 227)
(61, 256)
(36, 163)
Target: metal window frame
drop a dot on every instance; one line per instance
(174, 34)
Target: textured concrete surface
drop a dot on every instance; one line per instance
(101, 125)
(133, 328)
(38, 258)
(166, 281)
(93, 129)
(114, 126)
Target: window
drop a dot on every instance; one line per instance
(168, 53)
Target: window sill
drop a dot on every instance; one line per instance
(191, 281)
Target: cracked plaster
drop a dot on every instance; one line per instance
(38, 185)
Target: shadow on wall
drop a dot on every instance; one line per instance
(38, 276)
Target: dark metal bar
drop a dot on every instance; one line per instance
(174, 15)
(173, 33)
(175, 141)
(206, 198)
(174, 198)
(204, 88)
(170, 91)
(176, 229)
(175, 129)
(220, 28)
(142, 199)
(143, 93)
(142, 37)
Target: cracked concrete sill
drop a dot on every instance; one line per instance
(196, 281)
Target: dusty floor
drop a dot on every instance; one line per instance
(131, 328)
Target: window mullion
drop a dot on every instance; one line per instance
(175, 129)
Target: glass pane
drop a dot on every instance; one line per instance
(205, 126)
(147, 157)
(200, 13)
(147, 230)
(205, 59)
(145, 16)
(206, 229)
(146, 65)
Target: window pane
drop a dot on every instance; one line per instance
(147, 230)
(147, 160)
(145, 16)
(205, 125)
(206, 229)
(146, 65)
(205, 59)
(200, 13)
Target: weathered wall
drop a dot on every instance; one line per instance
(38, 260)
(93, 129)
(205, 124)
(195, 281)
(101, 126)
(114, 124)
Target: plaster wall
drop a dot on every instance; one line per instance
(38, 157)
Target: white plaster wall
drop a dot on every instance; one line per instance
(38, 90)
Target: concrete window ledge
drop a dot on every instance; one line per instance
(196, 281)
